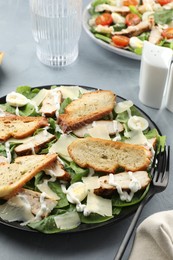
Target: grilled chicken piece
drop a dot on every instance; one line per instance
(155, 35)
(135, 30)
(33, 199)
(113, 9)
(57, 170)
(112, 126)
(34, 143)
(51, 102)
(121, 180)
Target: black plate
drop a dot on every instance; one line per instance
(85, 227)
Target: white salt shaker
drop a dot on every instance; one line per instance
(169, 98)
(155, 63)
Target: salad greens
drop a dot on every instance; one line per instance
(128, 26)
(64, 209)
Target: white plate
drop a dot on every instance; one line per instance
(122, 52)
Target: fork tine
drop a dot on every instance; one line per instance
(154, 162)
(168, 159)
(167, 163)
(157, 164)
(162, 165)
(162, 168)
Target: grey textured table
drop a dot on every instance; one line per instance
(95, 67)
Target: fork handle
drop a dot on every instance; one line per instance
(129, 232)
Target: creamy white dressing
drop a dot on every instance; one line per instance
(34, 105)
(43, 209)
(8, 152)
(134, 186)
(17, 111)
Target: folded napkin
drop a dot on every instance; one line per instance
(154, 238)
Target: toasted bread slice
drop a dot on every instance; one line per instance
(13, 176)
(106, 155)
(91, 106)
(20, 126)
(122, 180)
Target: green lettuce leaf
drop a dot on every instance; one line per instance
(138, 196)
(27, 91)
(163, 16)
(65, 103)
(93, 218)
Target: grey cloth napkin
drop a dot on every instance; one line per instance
(154, 238)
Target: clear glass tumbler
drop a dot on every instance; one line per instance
(56, 28)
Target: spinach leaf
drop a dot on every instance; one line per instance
(32, 184)
(47, 225)
(27, 110)
(93, 218)
(163, 16)
(75, 171)
(65, 103)
(56, 187)
(2, 150)
(138, 196)
(27, 91)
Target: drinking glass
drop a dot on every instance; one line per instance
(56, 28)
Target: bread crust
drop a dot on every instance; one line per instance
(15, 175)
(20, 126)
(108, 156)
(90, 107)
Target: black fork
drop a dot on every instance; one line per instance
(160, 178)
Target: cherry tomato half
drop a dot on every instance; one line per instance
(164, 2)
(120, 41)
(168, 33)
(104, 19)
(130, 2)
(132, 19)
